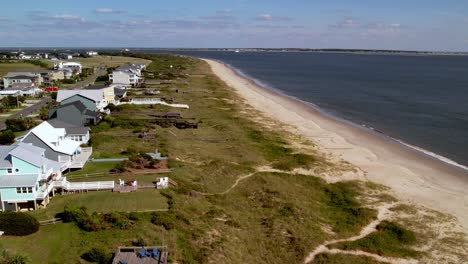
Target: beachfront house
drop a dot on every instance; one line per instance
(57, 146)
(22, 78)
(74, 67)
(23, 91)
(73, 132)
(128, 75)
(53, 76)
(93, 99)
(26, 177)
(75, 113)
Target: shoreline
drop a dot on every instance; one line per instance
(365, 127)
(412, 174)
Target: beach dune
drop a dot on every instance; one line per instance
(412, 175)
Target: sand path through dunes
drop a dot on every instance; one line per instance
(383, 214)
(413, 177)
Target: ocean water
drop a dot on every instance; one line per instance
(420, 100)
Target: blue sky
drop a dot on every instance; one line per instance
(374, 24)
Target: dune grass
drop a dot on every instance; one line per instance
(390, 240)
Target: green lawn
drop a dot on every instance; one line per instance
(91, 168)
(105, 201)
(16, 67)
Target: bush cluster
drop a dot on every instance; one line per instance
(20, 124)
(9, 258)
(18, 224)
(7, 137)
(136, 160)
(97, 255)
(93, 222)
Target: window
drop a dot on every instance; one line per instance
(17, 170)
(81, 138)
(24, 189)
(29, 189)
(18, 190)
(10, 170)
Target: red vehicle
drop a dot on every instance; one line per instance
(51, 89)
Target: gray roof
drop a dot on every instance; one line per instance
(28, 153)
(24, 151)
(27, 180)
(69, 128)
(119, 91)
(22, 77)
(78, 104)
(5, 162)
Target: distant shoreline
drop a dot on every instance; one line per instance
(273, 50)
(412, 175)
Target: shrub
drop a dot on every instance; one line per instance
(7, 137)
(8, 258)
(84, 220)
(166, 219)
(134, 216)
(95, 222)
(18, 224)
(97, 255)
(19, 124)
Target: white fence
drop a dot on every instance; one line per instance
(142, 101)
(85, 186)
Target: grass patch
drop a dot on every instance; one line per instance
(390, 240)
(104, 202)
(17, 67)
(91, 168)
(344, 210)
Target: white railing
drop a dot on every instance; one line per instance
(83, 186)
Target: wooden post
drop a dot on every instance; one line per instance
(16, 207)
(35, 204)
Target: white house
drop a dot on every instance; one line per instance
(92, 53)
(57, 146)
(128, 75)
(66, 56)
(75, 67)
(73, 132)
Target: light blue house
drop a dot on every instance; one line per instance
(26, 177)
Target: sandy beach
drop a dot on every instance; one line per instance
(412, 175)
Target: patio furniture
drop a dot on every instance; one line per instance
(143, 252)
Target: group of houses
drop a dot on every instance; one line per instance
(32, 168)
(21, 55)
(28, 83)
(128, 75)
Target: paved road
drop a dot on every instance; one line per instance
(27, 111)
(90, 80)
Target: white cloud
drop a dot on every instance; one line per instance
(108, 11)
(271, 18)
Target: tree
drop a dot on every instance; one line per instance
(7, 137)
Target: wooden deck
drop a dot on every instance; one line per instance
(124, 188)
(130, 255)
